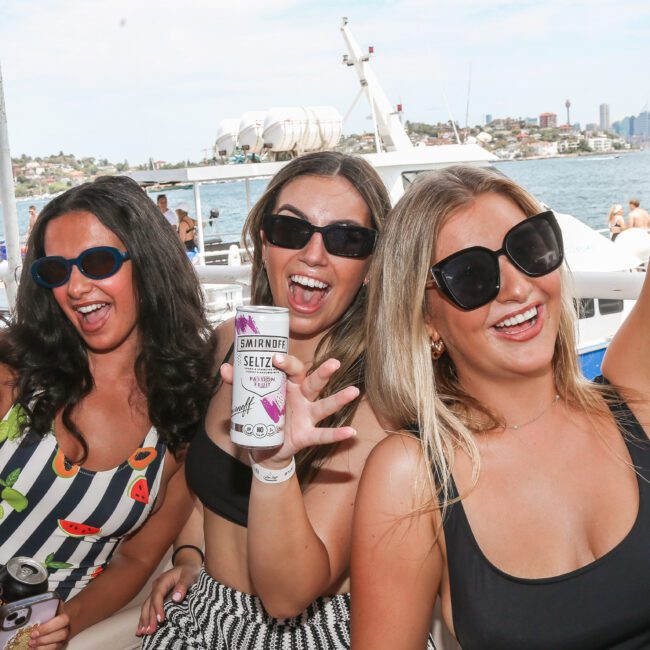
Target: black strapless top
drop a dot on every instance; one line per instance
(221, 481)
(605, 604)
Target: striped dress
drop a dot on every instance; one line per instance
(67, 518)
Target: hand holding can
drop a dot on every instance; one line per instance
(259, 388)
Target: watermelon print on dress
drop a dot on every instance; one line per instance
(74, 529)
(139, 490)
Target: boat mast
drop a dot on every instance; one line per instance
(8, 198)
(389, 131)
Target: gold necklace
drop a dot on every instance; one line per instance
(514, 427)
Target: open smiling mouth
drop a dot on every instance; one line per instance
(93, 313)
(307, 292)
(519, 323)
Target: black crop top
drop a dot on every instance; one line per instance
(221, 481)
(605, 604)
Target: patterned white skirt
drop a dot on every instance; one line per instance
(214, 616)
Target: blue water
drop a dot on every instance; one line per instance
(229, 198)
(585, 187)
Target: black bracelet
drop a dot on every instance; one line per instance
(182, 546)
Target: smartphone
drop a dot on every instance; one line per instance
(18, 619)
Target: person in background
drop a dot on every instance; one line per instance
(32, 218)
(100, 396)
(517, 491)
(638, 217)
(277, 555)
(161, 202)
(186, 229)
(616, 220)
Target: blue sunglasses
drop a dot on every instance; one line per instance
(95, 263)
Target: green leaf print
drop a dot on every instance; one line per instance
(14, 498)
(51, 563)
(12, 478)
(10, 428)
(2, 512)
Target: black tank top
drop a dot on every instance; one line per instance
(605, 604)
(220, 481)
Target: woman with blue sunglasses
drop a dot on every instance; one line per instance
(101, 394)
(516, 492)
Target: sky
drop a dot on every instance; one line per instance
(134, 79)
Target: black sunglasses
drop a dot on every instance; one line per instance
(340, 239)
(470, 278)
(95, 263)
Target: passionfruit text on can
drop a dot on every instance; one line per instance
(259, 389)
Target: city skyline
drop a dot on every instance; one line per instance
(128, 81)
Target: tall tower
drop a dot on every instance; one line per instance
(604, 117)
(567, 103)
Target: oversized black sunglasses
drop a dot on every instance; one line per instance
(95, 263)
(344, 240)
(470, 278)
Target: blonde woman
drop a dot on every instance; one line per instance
(517, 492)
(616, 220)
(276, 568)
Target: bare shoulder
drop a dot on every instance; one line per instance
(397, 465)
(369, 430)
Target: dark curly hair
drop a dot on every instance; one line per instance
(174, 365)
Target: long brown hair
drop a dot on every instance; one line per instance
(345, 340)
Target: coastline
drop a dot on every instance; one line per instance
(578, 154)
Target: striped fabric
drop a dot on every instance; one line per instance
(68, 518)
(216, 617)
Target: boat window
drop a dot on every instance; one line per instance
(608, 306)
(585, 307)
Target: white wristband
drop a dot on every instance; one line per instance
(266, 475)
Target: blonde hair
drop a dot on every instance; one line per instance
(404, 385)
(617, 208)
(345, 340)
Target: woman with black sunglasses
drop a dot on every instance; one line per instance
(277, 555)
(517, 492)
(100, 396)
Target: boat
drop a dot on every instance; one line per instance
(605, 282)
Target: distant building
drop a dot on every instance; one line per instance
(563, 146)
(604, 117)
(599, 144)
(488, 118)
(531, 121)
(642, 125)
(624, 127)
(592, 127)
(544, 148)
(548, 121)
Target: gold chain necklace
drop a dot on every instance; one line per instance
(514, 427)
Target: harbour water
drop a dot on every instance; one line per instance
(584, 186)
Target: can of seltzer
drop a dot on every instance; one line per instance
(20, 578)
(259, 389)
